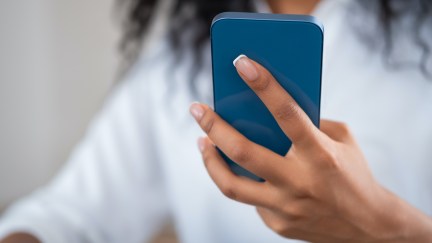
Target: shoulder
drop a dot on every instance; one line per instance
(159, 75)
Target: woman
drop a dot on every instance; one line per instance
(138, 165)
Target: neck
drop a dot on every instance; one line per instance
(292, 6)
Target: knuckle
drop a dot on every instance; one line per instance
(261, 83)
(277, 223)
(279, 227)
(328, 160)
(293, 211)
(299, 190)
(286, 111)
(344, 129)
(240, 152)
(282, 228)
(207, 122)
(228, 190)
(308, 190)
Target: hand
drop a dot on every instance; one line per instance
(321, 190)
(20, 238)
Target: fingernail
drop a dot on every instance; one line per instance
(201, 144)
(246, 67)
(196, 110)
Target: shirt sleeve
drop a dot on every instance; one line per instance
(110, 190)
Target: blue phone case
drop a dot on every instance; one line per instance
(290, 47)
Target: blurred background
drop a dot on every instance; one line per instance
(58, 60)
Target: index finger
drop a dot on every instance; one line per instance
(291, 118)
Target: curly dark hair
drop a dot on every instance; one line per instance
(198, 15)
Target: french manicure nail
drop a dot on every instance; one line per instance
(196, 110)
(246, 67)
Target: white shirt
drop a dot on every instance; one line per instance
(139, 166)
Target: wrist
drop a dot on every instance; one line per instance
(398, 221)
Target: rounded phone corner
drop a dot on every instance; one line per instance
(218, 17)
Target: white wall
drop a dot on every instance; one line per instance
(58, 59)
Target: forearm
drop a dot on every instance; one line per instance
(406, 223)
(418, 226)
(20, 237)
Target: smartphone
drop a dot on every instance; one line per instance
(290, 47)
